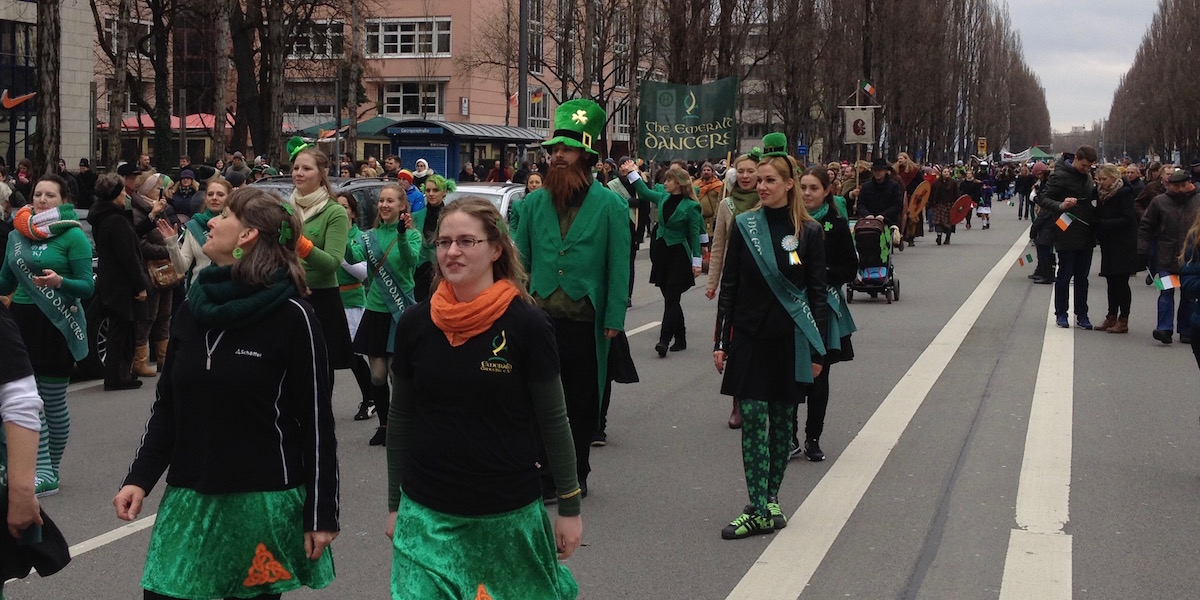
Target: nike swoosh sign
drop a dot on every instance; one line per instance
(10, 103)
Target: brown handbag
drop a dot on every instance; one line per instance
(162, 273)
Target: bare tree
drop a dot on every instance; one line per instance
(118, 53)
(220, 77)
(49, 117)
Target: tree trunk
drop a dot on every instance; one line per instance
(221, 75)
(352, 93)
(275, 46)
(49, 38)
(243, 27)
(165, 150)
(117, 88)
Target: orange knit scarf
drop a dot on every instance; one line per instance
(461, 321)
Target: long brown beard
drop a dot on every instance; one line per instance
(563, 183)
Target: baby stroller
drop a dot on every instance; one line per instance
(875, 273)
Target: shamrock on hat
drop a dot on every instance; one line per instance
(577, 123)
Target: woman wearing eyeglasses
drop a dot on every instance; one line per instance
(391, 249)
(476, 368)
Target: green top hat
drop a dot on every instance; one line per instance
(295, 146)
(775, 144)
(577, 123)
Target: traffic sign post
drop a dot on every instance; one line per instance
(801, 150)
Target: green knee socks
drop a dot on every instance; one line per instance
(766, 443)
(56, 424)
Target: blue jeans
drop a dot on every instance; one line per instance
(1167, 312)
(1072, 264)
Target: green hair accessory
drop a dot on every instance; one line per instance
(295, 146)
(285, 229)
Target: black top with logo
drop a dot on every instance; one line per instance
(473, 448)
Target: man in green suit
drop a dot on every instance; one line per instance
(574, 241)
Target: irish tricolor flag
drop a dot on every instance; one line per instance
(1025, 260)
(1064, 221)
(868, 88)
(1166, 282)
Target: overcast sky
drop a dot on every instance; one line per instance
(1079, 50)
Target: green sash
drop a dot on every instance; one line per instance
(841, 324)
(198, 231)
(807, 335)
(389, 283)
(66, 313)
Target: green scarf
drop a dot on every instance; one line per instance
(820, 213)
(198, 225)
(743, 200)
(217, 301)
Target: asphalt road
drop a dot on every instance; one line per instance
(963, 462)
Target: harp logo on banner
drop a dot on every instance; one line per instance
(689, 122)
(860, 124)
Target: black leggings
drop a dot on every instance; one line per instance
(149, 595)
(817, 400)
(1119, 295)
(672, 320)
(362, 375)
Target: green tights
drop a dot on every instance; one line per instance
(765, 451)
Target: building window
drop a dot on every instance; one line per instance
(621, 118)
(537, 12)
(539, 109)
(621, 54)
(310, 109)
(321, 39)
(413, 98)
(408, 38)
(135, 32)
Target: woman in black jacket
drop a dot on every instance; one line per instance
(1117, 234)
(841, 265)
(772, 318)
(121, 280)
(243, 421)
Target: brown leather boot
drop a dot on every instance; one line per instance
(735, 417)
(1121, 326)
(141, 366)
(160, 353)
(1109, 321)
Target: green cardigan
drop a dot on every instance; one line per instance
(327, 230)
(686, 225)
(592, 261)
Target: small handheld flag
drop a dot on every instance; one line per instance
(868, 88)
(1166, 282)
(1064, 221)
(1025, 260)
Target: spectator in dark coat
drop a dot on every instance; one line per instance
(1165, 226)
(1023, 188)
(87, 184)
(881, 195)
(1071, 192)
(121, 281)
(185, 195)
(61, 171)
(1116, 230)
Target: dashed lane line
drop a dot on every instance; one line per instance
(787, 565)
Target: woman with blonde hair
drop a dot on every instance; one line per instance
(1117, 234)
(773, 293)
(322, 245)
(476, 368)
(188, 256)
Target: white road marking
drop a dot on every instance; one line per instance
(646, 327)
(786, 566)
(107, 538)
(1038, 564)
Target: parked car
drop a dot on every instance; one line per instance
(504, 196)
(364, 189)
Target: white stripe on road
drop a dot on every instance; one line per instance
(646, 327)
(1038, 564)
(107, 538)
(788, 563)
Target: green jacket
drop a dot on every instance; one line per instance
(327, 230)
(403, 260)
(357, 297)
(592, 261)
(686, 225)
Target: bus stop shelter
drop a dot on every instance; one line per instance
(446, 145)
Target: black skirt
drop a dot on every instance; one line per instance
(327, 304)
(374, 331)
(48, 350)
(762, 369)
(671, 266)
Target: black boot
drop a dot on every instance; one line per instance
(680, 341)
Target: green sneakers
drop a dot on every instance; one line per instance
(777, 517)
(747, 524)
(45, 487)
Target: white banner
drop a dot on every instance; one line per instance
(1019, 157)
(860, 124)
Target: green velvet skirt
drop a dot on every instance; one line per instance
(509, 556)
(231, 546)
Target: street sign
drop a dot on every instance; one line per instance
(801, 150)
